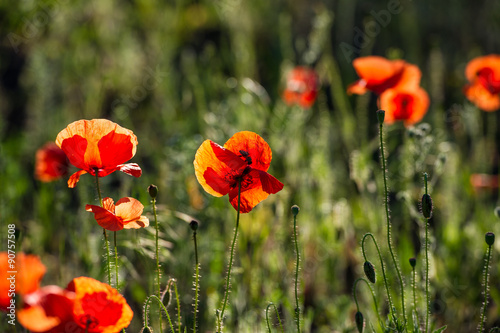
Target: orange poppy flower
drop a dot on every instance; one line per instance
(98, 146)
(244, 158)
(86, 305)
(483, 74)
(409, 106)
(378, 74)
(301, 87)
(23, 273)
(126, 214)
(51, 163)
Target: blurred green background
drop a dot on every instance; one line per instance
(179, 72)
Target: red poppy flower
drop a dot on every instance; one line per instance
(86, 305)
(126, 214)
(378, 74)
(483, 74)
(301, 87)
(51, 163)
(27, 271)
(98, 146)
(244, 158)
(409, 106)
(483, 181)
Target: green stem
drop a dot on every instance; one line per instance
(486, 269)
(277, 316)
(228, 278)
(297, 307)
(381, 323)
(387, 289)
(108, 261)
(116, 260)
(427, 295)
(196, 281)
(414, 282)
(146, 312)
(389, 241)
(157, 255)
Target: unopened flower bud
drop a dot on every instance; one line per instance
(427, 206)
(380, 116)
(413, 262)
(153, 191)
(194, 225)
(295, 210)
(360, 321)
(489, 238)
(369, 271)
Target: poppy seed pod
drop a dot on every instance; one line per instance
(295, 210)
(413, 262)
(489, 238)
(427, 206)
(194, 225)
(360, 321)
(369, 271)
(153, 191)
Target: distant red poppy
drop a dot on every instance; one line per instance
(27, 271)
(86, 305)
(244, 158)
(126, 214)
(51, 163)
(378, 74)
(409, 106)
(301, 87)
(483, 181)
(483, 74)
(98, 146)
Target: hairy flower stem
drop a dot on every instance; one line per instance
(297, 264)
(108, 260)
(116, 259)
(414, 287)
(277, 316)
(389, 240)
(387, 289)
(381, 323)
(157, 256)
(486, 269)
(427, 295)
(196, 280)
(228, 277)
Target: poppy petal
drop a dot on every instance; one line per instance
(108, 204)
(269, 183)
(376, 74)
(74, 147)
(117, 148)
(128, 209)
(228, 157)
(99, 306)
(481, 97)
(407, 105)
(132, 169)
(210, 170)
(253, 145)
(141, 222)
(250, 197)
(105, 218)
(475, 65)
(51, 163)
(75, 178)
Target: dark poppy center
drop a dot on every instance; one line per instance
(486, 77)
(88, 321)
(404, 106)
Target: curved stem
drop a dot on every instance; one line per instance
(146, 311)
(381, 323)
(389, 241)
(179, 324)
(196, 281)
(297, 307)
(391, 305)
(277, 316)
(486, 268)
(108, 264)
(228, 278)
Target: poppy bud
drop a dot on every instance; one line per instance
(360, 321)
(194, 225)
(497, 212)
(369, 271)
(413, 262)
(295, 210)
(380, 116)
(489, 238)
(427, 206)
(153, 191)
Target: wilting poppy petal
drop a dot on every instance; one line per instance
(51, 163)
(256, 147)
(23, 274)
(242, 162)
(409, 106)
(105, 218)
(301, 87)
(98, 146)
(378, 74)
(98, 306)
